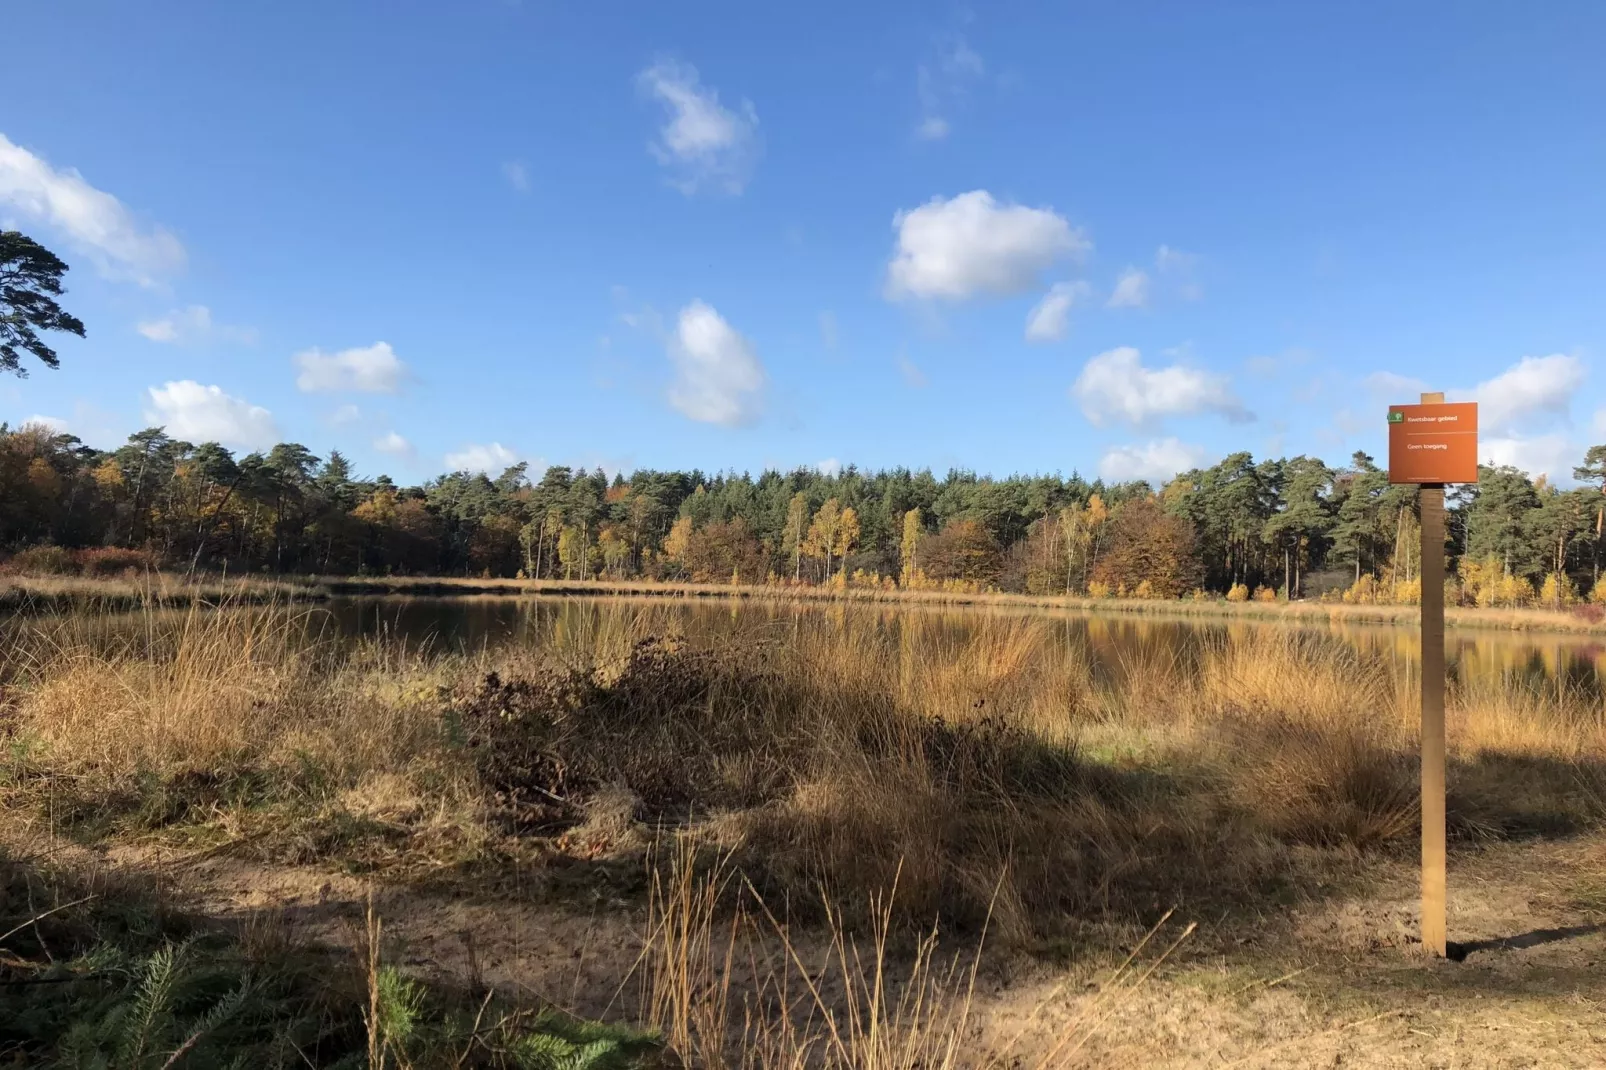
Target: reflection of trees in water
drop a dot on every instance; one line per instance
(1109, 649)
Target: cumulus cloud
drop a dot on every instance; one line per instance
(1131, 289)
(199, 413)
(345, 415)
(371, 369)
(1549, 455)
(192, 326)
(1534, 386)
(54, 424)
(1156, 461)
(1050, 318)
(1114, 386)
(702, 142)
(972, 245)
(491, 458)
(396, 446)
(718, 376)
(90, 219)
(829, 467)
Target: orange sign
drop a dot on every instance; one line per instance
(1433, 443)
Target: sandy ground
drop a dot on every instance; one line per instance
(1335, 983)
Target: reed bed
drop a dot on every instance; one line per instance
(990, 771)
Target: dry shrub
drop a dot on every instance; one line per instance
(42, 561)
(664, 720)
(114, 561)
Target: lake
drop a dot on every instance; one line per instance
(1110, 644)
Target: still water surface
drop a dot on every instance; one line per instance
(1546, 664)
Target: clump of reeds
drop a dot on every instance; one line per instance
(201, 713)
(732, 985)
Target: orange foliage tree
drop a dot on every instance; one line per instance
(963, 550)
(1146, 544)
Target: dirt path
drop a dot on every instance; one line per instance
(1333, 984)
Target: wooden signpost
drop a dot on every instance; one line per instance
(1432, 444)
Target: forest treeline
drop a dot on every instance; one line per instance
(1287, 527)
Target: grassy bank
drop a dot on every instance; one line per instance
(25, 594)
(20, 593)
(832, 754)
(830, 773)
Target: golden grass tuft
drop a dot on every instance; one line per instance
(733, 986)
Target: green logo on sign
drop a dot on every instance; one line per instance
(1396, 417)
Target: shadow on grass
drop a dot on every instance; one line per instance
(1458, 952)
(101, 973)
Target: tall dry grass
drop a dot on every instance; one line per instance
(732, 986)
(982, 771)
(193, 713)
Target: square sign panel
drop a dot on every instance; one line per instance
(1433, 443)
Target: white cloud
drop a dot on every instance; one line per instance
(702, 141)
(943, 82)
(371, 369)
(345, 415)
(971, 245)
(193, 326)
(1156, 461)
(1115, 386)
(89, 423)
(1049, 319)
(1549, 455)
(392, 443)
(912, 375)
(829, 467)
(199, 413)
(718, 376)
(490, 459)
(1131, 289)
(517, 175)
(1597, 423)
(1533, 386)
(1533, 390)
(92, 220)
(828, 332)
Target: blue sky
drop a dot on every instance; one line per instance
(1119, 239)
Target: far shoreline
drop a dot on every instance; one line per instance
(23, 594)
